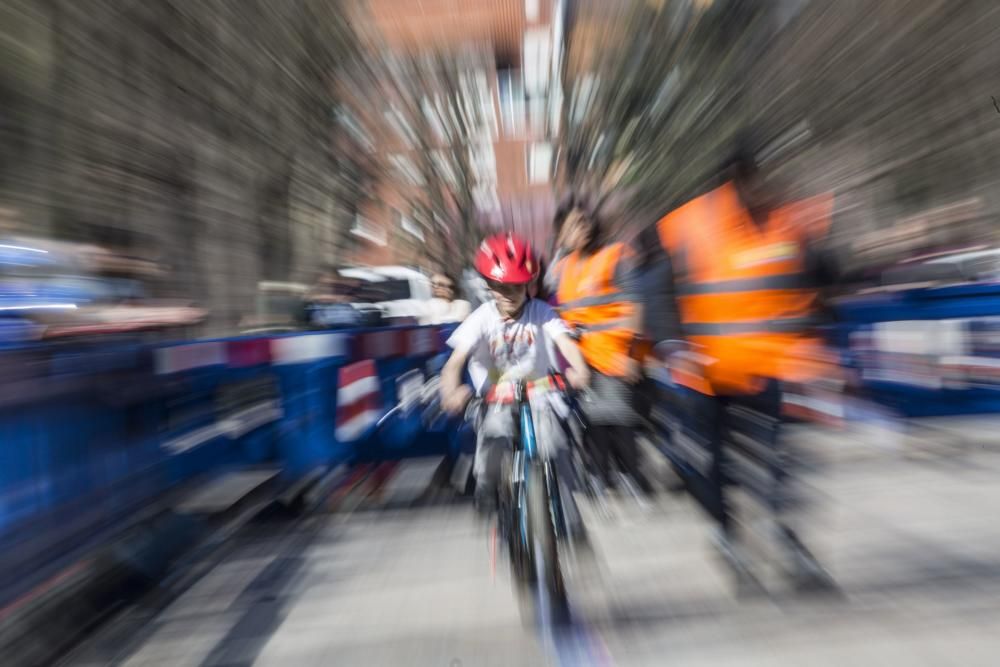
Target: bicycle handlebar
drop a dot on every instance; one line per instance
(572, 395)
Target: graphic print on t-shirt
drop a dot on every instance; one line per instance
(509, 346)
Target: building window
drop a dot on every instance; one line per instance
(510, 90)
(531, 8)
(536, 61)
(537, 116)
(539, 163)
(475, 85)
(368, 230)
(409, 226)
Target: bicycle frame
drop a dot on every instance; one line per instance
(529, 445)
(525, 450)
(526, 453)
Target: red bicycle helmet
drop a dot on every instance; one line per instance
(506, 258)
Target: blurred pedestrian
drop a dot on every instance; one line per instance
(746, 270)
(445, 307)
(596, 286)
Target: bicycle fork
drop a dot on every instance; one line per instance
(522, 460)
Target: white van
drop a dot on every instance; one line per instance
(403, 293)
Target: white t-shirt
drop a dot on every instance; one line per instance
(440, 311)
(505, 350)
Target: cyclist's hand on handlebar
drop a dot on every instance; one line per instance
(578, 379)
(454, 401)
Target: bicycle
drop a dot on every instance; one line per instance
(530, 515)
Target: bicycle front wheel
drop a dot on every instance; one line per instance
(550, 591)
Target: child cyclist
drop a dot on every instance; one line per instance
(511, 338)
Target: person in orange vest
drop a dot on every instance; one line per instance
(595, 281)
(747, 274)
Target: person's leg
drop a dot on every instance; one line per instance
(442, 474)
(553, 445)
(786, 501)
(716, 432)
(593, 447)
(762, 465)
(494, 431)
(729, 540)
(626, 449)
(440, 480)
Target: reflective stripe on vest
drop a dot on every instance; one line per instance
(777, 282)
(599, 300)
(790, 325)
(759, 306)
(623, 324)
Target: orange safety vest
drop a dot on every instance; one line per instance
(741, 290)
(590, 301)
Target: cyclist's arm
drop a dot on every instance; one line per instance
(451, 374)
(455, 394)
(463, 341)
(571, 351)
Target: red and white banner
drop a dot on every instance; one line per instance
(359, 400)
(421, 341)
(283, 350)
(379, 344)
(248, 352)
(305, 349)
(177, 358)
(415, 342)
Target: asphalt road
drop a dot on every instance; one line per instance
(909, 528)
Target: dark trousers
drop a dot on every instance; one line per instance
(738, 436)
(615, 448)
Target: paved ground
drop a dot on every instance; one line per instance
(909, 528)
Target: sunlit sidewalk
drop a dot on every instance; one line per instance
(913, 541)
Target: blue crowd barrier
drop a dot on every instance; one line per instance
(925, 352)
(93, 431)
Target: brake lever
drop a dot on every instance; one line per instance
(572, 395)
(559, 381)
